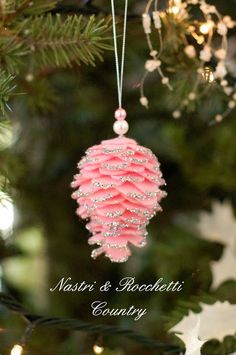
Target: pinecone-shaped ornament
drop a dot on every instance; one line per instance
(118, 190)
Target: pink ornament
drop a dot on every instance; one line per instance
(120, 114)
(118, 190)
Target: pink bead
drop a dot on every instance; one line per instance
(120, 114)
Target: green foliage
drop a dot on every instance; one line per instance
(63, 110)
(35, 7)
(213, 347)
(4, 184)
(13, 49)
(5, 134)
(6, 90)
(49, 41)
(42, 97)
(55, 41)
(11, 8)
(7, 7)
(33, 40)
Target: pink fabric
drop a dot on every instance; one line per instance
(118, 190)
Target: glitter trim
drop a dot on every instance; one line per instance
(102, 186)
(115, 167)
(102, 199)
(131, 179)
(114, 214)
(112, 151)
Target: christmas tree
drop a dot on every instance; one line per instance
(57, 98)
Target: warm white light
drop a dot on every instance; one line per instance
(191, 29)
(6, 212)
(17, 350)
(208, 75)
(175, 10)
(175, 7)
(205, 27)
(211, 77)
(98, 349)
(200, 39)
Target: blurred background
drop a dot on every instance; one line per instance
(59, 112)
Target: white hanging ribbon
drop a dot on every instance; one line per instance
(119, 67)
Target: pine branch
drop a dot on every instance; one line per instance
(6, 90)
(36, 7)
(58, 42)
(5, 133)
(78, 325)
(51, 41)
(9, 9)
(12, 49)
(40, 95)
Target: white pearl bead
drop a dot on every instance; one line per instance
(120, 127)
(153, 53)
(144, 101)
(232, 104)
(176, 114)
(192, 96)
(219, 118)
(29, 77)
(165, 81)
(120, 114)
(228, 90)
(224, 83)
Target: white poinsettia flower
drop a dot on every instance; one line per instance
(191, 339)
(219, 225)
(216, 321)
(224, 269)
